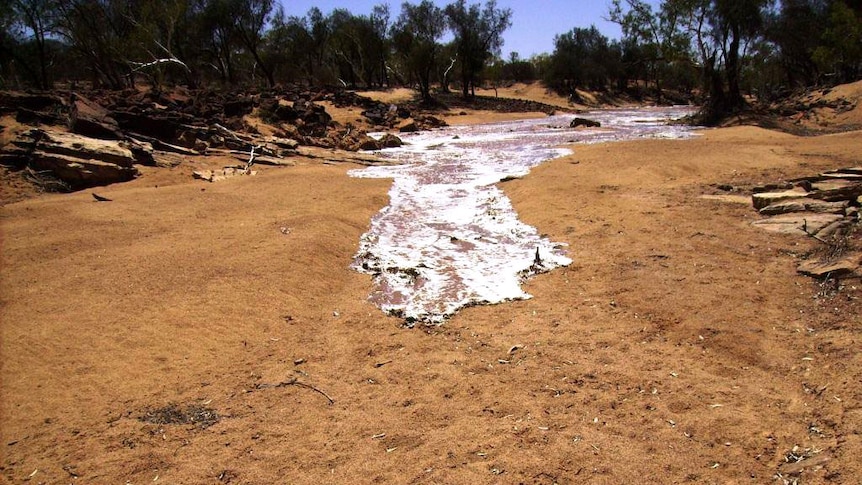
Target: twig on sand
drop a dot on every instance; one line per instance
(294, 382)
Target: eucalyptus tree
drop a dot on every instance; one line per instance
(358, 44)
(28, 26)
(839, 53)
(99, 33)
(251, 19)
(662, 43)
(378, 44)
(478, 35)
(719, 34)
(415, 38)
(580, 59)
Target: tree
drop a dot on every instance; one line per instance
(379, 43)
(250, 18)
(415, 37)
(478, 36)
(662, 44)
(518, 70)
(579, 60)
(359, 44)
(157, 29)
(99, 33)
(722, 31)
(795, 32)
(33, 21)
(840, 51)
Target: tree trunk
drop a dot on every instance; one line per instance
(734, 94)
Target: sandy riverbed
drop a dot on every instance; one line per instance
(680, 346)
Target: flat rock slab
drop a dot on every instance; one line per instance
(219, 175)
(78, 161)
(849, 264)
(849, 170)
(797, 223)
(730, 198)
(803, 205)
(86, 148)
(837, 189)
(764, 199)
(276, 162)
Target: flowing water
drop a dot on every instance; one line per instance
(449, 237)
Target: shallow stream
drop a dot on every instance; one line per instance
(449, 237)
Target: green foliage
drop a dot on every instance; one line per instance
(840, 51)
(580, 60)
(478, 35)
(722, 49)
(415, 38)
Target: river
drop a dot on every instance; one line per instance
(449, 237)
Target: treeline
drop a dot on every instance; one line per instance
(720, 50)
(241, 42)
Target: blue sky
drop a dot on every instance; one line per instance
(534, 23)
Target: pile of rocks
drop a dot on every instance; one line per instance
(93, 143)
(824, 207)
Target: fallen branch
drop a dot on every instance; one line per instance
(250, 161)
(294, 382)
(172, 60)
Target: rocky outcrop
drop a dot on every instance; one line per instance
(358, 140)
(87, 118)
(585, 123)
(824, 207)
(77, 161)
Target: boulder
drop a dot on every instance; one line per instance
(238, 107)
(365, 143)
(11, 101)
(584, 122)
(409, 127)
(838, 228)
(427, 121)
(283, 143)
(390, 141)
(89, 119)
(78, 161)
(838, 189)
(162, 125)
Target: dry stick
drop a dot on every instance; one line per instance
(250, 160)
(172, 60)
(294, 382)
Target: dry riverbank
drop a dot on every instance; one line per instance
(188, 332)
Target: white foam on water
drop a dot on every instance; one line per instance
(449, 237)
